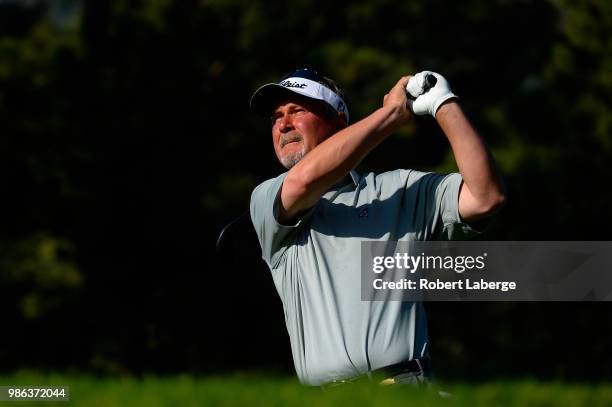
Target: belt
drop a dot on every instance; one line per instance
(408, 366)
(415, 367)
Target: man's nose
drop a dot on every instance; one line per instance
(286, 124)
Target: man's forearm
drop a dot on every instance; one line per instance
(483, 189)
(331, 160)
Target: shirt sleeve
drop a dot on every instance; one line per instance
(447, 199)
(438, 197)
(274, 238)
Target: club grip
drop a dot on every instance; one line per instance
(430, 82)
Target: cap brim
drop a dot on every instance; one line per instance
(265, 98)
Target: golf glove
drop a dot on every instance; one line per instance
(428, 101)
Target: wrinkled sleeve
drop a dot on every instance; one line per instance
(437, 197)
(447, 200)
(274, 238)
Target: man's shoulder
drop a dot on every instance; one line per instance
(400, 176)
(264, 187)
(404, 175)
(390, 182)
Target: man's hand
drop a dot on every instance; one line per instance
(396, 98)
(428, 101)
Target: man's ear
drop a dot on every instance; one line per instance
(340, 121)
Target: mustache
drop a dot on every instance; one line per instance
(290, 137)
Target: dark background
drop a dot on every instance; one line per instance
(126, 143)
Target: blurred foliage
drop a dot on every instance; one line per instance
(126, 136)
(40, 269)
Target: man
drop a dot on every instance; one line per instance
(311, 220)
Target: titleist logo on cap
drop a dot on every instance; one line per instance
(289, 84)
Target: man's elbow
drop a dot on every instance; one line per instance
(492, 203)
(297, 183)
(474, 208)
(295, 194)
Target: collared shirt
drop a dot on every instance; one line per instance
(315, 264)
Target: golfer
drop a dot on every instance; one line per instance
(312, 219)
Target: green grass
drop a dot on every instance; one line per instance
(265, 390)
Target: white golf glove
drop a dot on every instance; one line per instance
(428, 102)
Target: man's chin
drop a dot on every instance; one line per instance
(290, 160)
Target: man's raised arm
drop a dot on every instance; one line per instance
(332, 159)
(482, 191)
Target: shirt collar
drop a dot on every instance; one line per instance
(355, 177)
(352, 178)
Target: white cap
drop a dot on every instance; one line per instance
(265, 98)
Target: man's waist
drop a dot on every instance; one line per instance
(387, 374)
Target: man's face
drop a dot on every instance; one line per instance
(298, 126)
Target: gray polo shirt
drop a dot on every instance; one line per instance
(315, 264)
